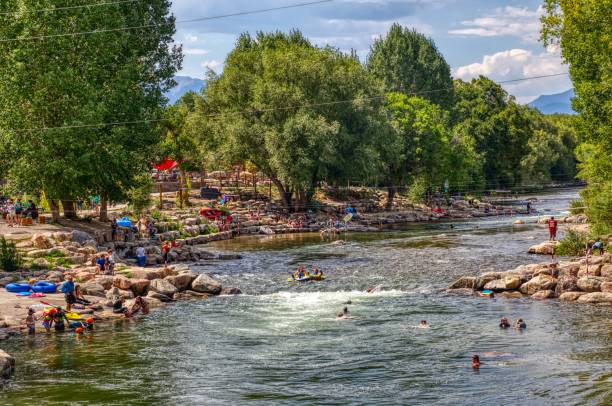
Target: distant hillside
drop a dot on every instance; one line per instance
(185, 84)
(555, 103)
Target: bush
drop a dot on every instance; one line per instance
(139, 198)
(417, 190)
(10, 259)
(576, 207)
(573, 243)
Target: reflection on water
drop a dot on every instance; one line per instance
(281, 342)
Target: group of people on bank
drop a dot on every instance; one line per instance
(14, 210)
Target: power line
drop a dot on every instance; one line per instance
(45, 10)
(137, 27)
(252, 111)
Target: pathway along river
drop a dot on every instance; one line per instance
(282, 344)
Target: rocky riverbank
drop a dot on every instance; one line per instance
(586, 280)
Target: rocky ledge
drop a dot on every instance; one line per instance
(584, 280)
(7, 366)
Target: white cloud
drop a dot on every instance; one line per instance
(195, 51)
(517, 64)
(504, 21)
(191, 38)
(212, 64)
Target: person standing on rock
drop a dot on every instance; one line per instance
(165, 252)
(140, 256)
(68, 290)
(552, 229)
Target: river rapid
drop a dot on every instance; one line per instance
(281, 343)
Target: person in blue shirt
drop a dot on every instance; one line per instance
(68, 290)
(101, 262)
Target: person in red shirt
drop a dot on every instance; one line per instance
(552, 229)
(165, 251)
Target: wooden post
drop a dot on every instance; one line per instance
(161, 196)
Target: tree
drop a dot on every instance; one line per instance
(409, 62)
(276, 106)
(582, 29)
(422, 143)
(52, 86)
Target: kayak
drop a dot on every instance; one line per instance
(307, 278)
(73, 316)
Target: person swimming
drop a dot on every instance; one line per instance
(475, 361)
(423, 324)
(520, 324)
(504, 323)
(345, 314)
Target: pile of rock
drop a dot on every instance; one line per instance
(7, 366)
(586, 280)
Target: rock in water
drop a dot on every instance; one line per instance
(545, 248)
(465, 282)
(540, 282)
(570, 296)
(7, 366)
(589, 284)
(163, 286)
(596, 297)
(231, 291)
(543, 294)
(507, 283)
(206, 284)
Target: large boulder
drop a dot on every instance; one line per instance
(139, 286)
(543, 294)
(105, 280)
(464, 282)
(589, 284)
(92, 288)
(183, 280)
(55, 276)
(545, 248)
(80, 236)
(566, 283)
(590, 270)
(41, 263)
(85, 276)
(506, 283)
(42, 241)
(122, 282)
(149, 274)
(540, 282)
(206, 284)
(596, 297)
(158, 296)
(570, 296)
(606, 271)
(7, 366)
(162, 286)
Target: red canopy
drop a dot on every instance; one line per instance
(166, 164)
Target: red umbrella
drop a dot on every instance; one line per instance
(166, 164)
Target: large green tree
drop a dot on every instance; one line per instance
(583, 30)
(407, 61)
(52, 89)
(301, 114)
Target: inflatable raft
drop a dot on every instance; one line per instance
(307, 278)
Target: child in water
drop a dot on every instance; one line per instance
(31, 322)
(423, 324)
(344, 315)
(475, 361)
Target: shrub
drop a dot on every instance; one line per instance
(10, 259)
(576, 207)
(573, 243)
(417, 190)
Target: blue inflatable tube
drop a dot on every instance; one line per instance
(17, 287)
(44, 287)
(124, 222)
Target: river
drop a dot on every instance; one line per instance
(281, 343)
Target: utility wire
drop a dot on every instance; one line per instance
(138, 27)
(252, 111)
(46, 10)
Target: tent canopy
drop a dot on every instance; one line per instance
(166, 164)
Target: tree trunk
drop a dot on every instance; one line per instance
(390, 195)
(55, 210)
(185, 187)
(69, 211)
(285, 195)
(104, 207)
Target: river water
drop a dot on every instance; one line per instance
(281, 343)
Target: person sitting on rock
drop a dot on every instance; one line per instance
(504, 323)
(118, 307)
(520, 324)
(78, 294)
(101, 263)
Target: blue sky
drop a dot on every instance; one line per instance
(496, 38)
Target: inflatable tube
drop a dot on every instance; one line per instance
(486, 293)
(44, 287)
(17, 287)
(124, 222)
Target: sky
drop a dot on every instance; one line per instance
(495, 38)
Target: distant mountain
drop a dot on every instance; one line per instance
(554, 103)
(185, 84)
